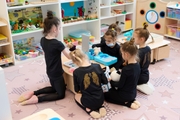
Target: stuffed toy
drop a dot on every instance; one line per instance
(96, 51)
(147, 88)
(111, 74)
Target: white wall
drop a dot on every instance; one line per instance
(5, 111)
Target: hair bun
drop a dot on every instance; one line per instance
(145, 25)
(71, 47)
(49, 14)
(131, 42)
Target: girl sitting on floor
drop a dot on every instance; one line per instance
(125, 93)
(140, 36)
(87, 83)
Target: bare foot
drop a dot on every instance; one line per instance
(32, 100)
(102, 111)
(93, 114)
(25, 96)
(137, 103)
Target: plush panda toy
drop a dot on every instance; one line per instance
(115, 75)
(111, 74)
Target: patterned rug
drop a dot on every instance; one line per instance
(163, 104)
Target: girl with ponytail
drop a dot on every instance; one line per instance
(126, 93)
(52, 52)
(140, 36)
(88, 78)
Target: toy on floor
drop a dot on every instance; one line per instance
(107, 86)
(147, 88)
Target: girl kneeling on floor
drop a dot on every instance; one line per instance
(125, 93)
(87, 83)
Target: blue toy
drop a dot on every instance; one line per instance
(129, 35)
(105, 59)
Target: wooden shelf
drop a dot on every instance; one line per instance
(117, 5)
(4, 44)
(172, 36)
(2, 24)
(67, 1)
(172, 18)
(28, 32)
(32, 5)
(79, 22)
(104, 7)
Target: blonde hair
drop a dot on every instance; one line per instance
(76, 55)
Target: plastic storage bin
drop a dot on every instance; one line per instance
(178, 33)
(171, 12)
(171, 30)
(178, 13)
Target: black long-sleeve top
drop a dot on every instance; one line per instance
(88, 81)
(145, 59)
(52, 49)
(115, 51)
(128, 81)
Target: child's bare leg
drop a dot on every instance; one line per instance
(25, 96)
(32, 100)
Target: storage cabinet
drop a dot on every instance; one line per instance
(172, 21)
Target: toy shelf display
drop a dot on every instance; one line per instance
(25, 20)
(173, 20)
(6, 50)
(25, 49)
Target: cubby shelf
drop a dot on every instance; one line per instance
(94, 26)
(4, 44)
(32, 5)
(2, 24)
(27, 32)
(116, 5)
(172, 36)
(79, 22)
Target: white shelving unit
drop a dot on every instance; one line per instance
(94, 26)
(174, 20)
(106, 16)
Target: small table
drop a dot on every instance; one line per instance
(46, 114)
(68, 76)
(159, 48)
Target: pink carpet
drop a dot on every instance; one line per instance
(163, 104)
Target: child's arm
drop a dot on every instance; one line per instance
(65, 52)
(104, 78)
(121, 82)
(97, 45)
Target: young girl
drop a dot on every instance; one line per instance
(87, 83)
(109, 46)
(140, 36)
(125, 93)
(52, 51)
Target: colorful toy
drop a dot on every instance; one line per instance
(105, 59)
(129, 35)
(80, 11)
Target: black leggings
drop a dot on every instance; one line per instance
(113, 97)
(84, 108)
(54, 92)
